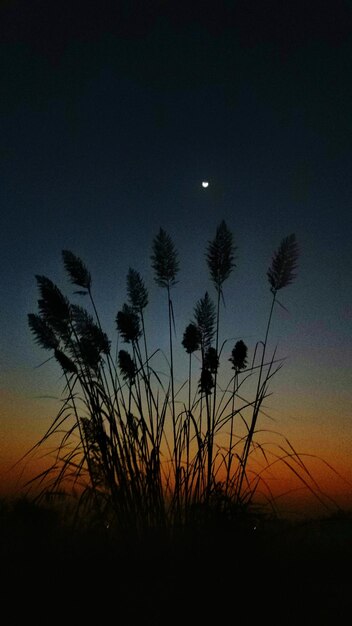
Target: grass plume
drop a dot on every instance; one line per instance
(117, 413)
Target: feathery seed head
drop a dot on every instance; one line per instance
(43, 332)
(164, 260)
(220, 255)
(76, 269)
(90, 353)
(127, 366)
(191, 338)
(206, 382)
(204, 313)
(127, 322)
(88, 330)
(284, 262)
(136, 290)
(81, 318)
(211, 360)
(239, 356)
(67, 364)
(53, 306)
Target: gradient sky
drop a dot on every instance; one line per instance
(111, 115)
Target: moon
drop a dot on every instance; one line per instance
(205, 184)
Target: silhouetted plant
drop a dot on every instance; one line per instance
(165, 263)
(127, 366)
(239, 356)
(204, 315)
(164, 260)
(53, 306)
(117, 412)
(281, 273)
(77, 271)
(43, 333)
(136, 290)
(221, 256)
(127, 322)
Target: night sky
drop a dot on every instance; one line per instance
(111, 115)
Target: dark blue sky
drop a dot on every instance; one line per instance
(112, 114)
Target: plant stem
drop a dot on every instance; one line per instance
(257, 403)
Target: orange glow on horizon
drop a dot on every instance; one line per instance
(24, 422)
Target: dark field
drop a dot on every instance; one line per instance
(272, 571)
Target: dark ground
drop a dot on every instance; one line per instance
(278, 572)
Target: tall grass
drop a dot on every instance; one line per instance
(142, 452)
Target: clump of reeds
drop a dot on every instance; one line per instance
(117, 414)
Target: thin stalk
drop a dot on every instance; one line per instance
(230, 454)
(258, 400)
(212, 422)
(147, 390)
(175, 454)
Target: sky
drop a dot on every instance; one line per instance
(111, 116)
